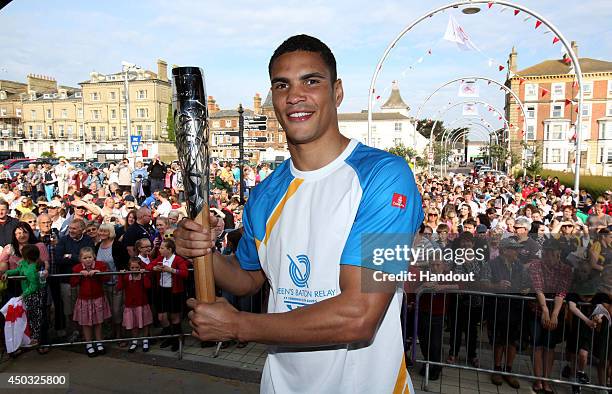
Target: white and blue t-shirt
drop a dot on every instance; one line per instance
(299, 228)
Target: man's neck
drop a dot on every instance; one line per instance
(319, 153)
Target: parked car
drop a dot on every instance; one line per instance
(11, 162)
(80, 165)
(22, 167)
(9, 154)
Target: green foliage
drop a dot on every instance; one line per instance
(596, 185)
(424, 127)
(47, 154)
(170, 125)
(403, 151)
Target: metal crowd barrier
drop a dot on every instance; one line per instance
(477, 303)
(256, 303)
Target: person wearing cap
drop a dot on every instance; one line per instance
(508, 276)
(129, 203)
(54, 212)
(530, 248)
(600, 250)
(550, 278)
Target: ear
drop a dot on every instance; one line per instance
(338, 92)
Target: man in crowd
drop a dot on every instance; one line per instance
(125, 176)
(7, 224)
(141, 229)
(157, 173)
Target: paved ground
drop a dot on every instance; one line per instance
(113, 375)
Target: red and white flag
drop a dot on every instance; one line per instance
(455, 33)
(468, 88)
(16, 328)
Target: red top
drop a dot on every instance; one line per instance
(90, 287)
(135, 293)
(180, 264)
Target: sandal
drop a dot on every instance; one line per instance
(90, 350)
(145, 345)
(133, 347)
(100, 348)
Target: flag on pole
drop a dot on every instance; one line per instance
(455, 33)
(469, 88)
(470, 109)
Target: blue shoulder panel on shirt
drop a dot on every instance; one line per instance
(390, 201)
(260, 205)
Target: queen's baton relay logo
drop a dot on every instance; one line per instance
(300, 294)
(299, 275)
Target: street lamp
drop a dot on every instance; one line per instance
(127, 67)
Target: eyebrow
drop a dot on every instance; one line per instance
(302, 78)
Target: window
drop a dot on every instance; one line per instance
(81, 131)
(33, 114)
(216, 124)
(124, 131)
(113, 132)
(71, 147)
(39, 131)
(585, 131)
(586, 109)
(554, 132)
(95, 114)
(398, 127)
(2, 111)
(557, 110)
(102, 132)
(531, 91)
(124, 114)
(610, 87)
(397, 141)
(600, 155)
(61, 131)
(228, 123)
(556, 155)
(609, 109)
(142, 94)
(80, 113)
(531, 111)
(142, 112)
(558, 91)
(113, 113)
(587, 89)
(113, 96)
(609, 156)
(18, 112)
(531, 132)
(50, 131)
(31, 131)
(95, 96)
(49, 114)
(70, 131)
(148, 133)
(602, 130)
(139, 130)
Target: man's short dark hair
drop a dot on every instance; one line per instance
(303, 42)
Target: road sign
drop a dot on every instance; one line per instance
(256, 118)
(135, 142)
(260, 127)
(255, 139)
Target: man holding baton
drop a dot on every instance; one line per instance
(303, 231)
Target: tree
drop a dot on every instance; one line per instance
(47, 154)
(424, 127)
(403, 151)
(170, 125)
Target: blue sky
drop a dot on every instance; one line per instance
(233, 40)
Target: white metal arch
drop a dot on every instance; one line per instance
(457, 4)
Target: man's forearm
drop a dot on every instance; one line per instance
(336, 320)
(231, 277)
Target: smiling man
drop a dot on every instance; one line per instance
(303, 228)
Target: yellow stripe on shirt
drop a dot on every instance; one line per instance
(293, 186)
(400, 382)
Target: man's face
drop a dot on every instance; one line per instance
(304, 97)
(75, 230)
(44, 224)
(3, 211)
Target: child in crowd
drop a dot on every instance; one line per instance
(143, 250)
(33, 288)
(171, 271)
(137, 312)
(91, 307)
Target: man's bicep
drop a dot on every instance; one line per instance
(361, 287)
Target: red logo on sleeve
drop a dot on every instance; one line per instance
(398, 201)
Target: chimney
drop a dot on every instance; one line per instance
(574, 46)
(512, 60)
(212, 108)
(162, 70)
(257, 104)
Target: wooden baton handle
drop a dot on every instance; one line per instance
(203, 266)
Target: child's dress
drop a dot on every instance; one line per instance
(137, 312)
(91, 307)
(33, 295)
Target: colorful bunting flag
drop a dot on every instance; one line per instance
(521, 81)
(555, 40)
(567, 102)
(501, 68)
(538, 23)
(545, 92)
(490, 4)
(516, 12)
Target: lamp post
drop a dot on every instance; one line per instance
(127, 67)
